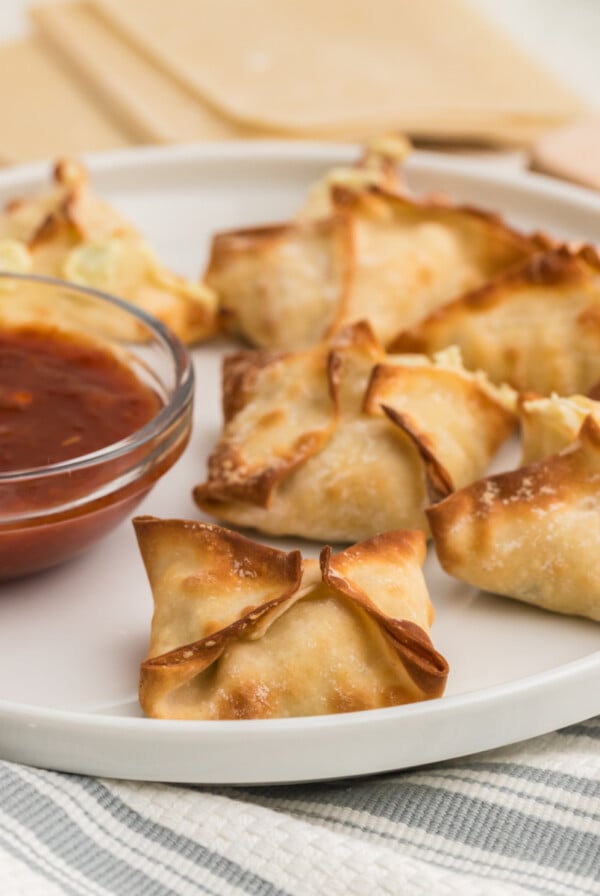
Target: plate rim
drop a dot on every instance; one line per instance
(557, 675)
(310, 150)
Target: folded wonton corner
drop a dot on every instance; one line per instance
(245, 631)
(537, 327)
(342, 441)
(377, 166)
(70, 234)
(533, 533)
(361, 249)
(549, 424)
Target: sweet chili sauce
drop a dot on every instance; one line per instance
(63, 396)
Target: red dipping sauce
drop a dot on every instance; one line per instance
(62, 397)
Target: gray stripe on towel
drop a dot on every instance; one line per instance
(584, 729)
(557, 780)
(179, 844)
(454, 816)
(448, 861)
(40, 867)
(62, 836)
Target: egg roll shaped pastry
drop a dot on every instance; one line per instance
(379, 255)
(342, 441)
(67, 232)
(537, 327)
(532, 534)
(244, 631)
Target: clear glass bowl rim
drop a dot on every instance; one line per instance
(180, 397)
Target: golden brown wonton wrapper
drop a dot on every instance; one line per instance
(377, 255)
(244, 631)
(550, 424)
(537, 328)
(342, 441)
(533, 533)
(377, 166)
(68, 233)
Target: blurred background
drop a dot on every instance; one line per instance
(502, 78)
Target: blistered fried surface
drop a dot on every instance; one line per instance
(342, 441)
(361, 248)
(533, 533)
(537, 328)
(280, 286)
(245, 631)
(67, 232)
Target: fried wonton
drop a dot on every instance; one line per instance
(342, 441)
(377, 254)
(377, 166)
(289, 277)
(537, 328)
(70, 234)
(280, 286)
(533, 533)
(244, 631)
(551, 423)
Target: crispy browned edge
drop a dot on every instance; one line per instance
(438, 480)
(560, 266)
(64, 217)
(506, 418)
(425, 666)
(207, 649)
(347, 198)
(258, 488)
(227, 244)
(559, 470)
(240, 374)
(239, 371)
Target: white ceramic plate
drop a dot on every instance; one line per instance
(71, 639)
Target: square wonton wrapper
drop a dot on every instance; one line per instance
(70, 234)
(537, 328)
(379, 255)
(342, 441)
(532, 534)
(244, 631)
(346, 68)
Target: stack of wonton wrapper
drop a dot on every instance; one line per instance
(101, 74)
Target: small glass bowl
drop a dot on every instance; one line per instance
(51, 513)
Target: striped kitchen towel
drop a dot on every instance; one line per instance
(520, 820)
